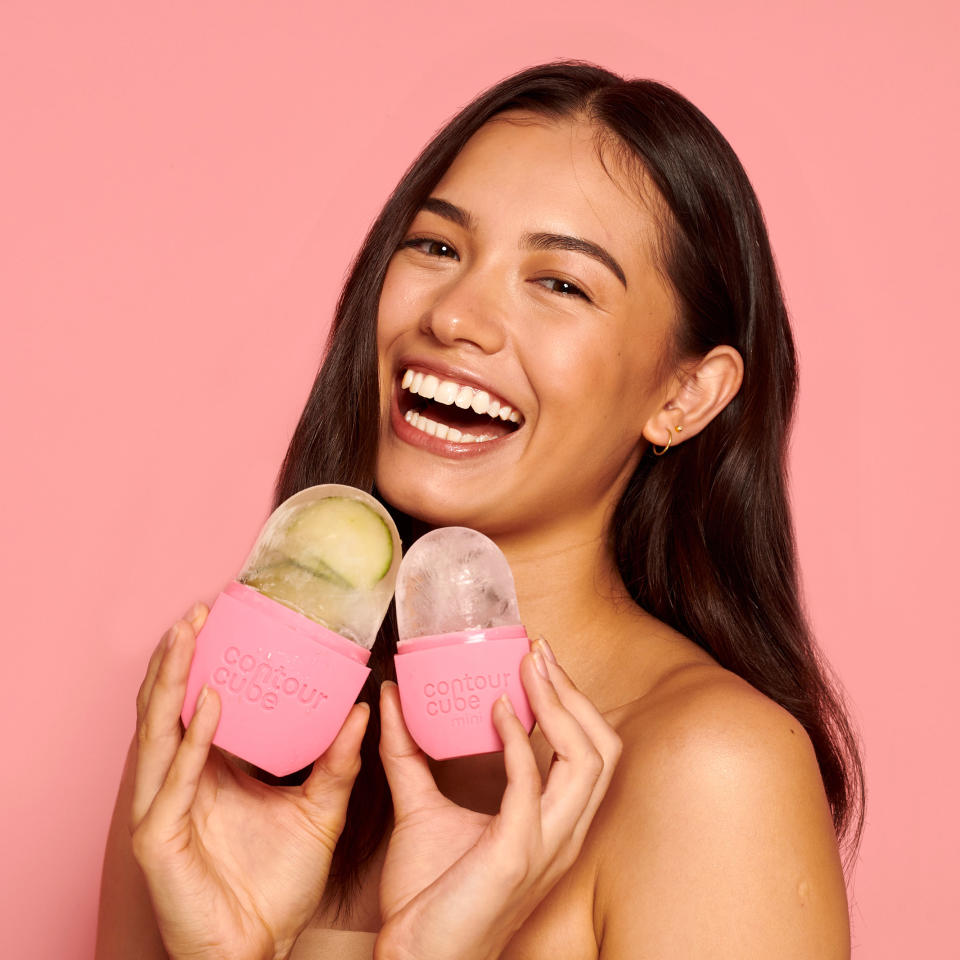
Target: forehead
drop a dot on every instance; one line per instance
(521, 171)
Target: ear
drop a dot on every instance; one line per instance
(695, 396)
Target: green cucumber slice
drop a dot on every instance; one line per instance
(273, 576)
(302, 590)
(340, 540)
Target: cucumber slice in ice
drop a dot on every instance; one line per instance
(283, 582)
(287, 577)
(301, 590)
(340, 540)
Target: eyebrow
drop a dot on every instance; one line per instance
(536, 241)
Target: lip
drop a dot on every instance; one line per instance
(444, 448)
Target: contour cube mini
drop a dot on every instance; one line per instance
(461, 642)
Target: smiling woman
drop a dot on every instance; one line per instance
(574, 269)
(478, 297)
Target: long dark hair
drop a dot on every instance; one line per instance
(703, 536)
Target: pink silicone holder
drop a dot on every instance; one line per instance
(448, 685)
(285, 682)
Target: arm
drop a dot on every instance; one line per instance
(459, 884)
(126, 916)
(723, 840)
(226, 865)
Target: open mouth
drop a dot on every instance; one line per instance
(454, 411)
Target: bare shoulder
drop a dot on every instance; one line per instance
(701, 718)
(716, 839)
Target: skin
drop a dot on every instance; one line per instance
(662, 807)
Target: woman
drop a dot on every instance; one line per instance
(581, 263)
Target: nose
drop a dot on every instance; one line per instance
(467, 312)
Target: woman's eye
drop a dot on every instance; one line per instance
(431, 247)
(565, 288)
(442, 250)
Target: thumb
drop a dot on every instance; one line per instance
(405, 764)
(331, 779)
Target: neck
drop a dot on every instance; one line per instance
(570, 592)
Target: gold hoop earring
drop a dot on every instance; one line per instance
(660, 453)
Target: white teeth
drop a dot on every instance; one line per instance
(429, 386)
(441, 430)
(446, 392)
(481, 400)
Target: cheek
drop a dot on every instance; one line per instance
(392, 318)
(613, 393)
(388, 312)
(593, 375)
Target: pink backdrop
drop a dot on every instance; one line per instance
(183, 187)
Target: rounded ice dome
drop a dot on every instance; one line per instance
(331, 553)
(454, 579)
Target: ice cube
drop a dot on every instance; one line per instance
(329, 552)
(454, 579)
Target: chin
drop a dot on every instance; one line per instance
(496, 514)
(432, 503)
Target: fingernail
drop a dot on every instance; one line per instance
(505, 700)
(539, 664)
(200, 698)
(173, 634)
(545, 649)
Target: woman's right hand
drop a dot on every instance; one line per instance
(235, 868)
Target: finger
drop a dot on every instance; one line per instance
(153, 667)
(520, 806)
(405, 764)
(159, 732)
(578, 764)
(334, 772)
(195, 616)
(600, 732)
(603, 736)
(178, 792)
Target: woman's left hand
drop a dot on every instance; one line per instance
(459, 884)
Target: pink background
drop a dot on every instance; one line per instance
(183, 188)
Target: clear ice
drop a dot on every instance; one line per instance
(453, 579)
(275, 567)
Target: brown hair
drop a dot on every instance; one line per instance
(702, 537)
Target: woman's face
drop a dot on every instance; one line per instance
(483, 308)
